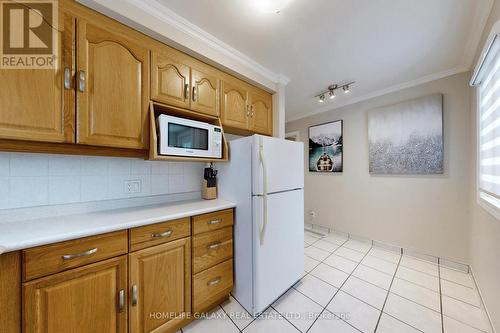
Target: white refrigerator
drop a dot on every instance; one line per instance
(265, 177)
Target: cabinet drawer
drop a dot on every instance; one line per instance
(212, 221)
(212, 285)
(159, 233)
(211, 248)
(53, 258)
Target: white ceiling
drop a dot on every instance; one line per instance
(383, 45)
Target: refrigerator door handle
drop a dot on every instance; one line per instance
(264, 193)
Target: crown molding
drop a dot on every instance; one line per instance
(385, 91)
(198, 38)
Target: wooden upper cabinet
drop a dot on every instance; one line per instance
(112, 88)
(169, 80)
(204, 92)
(33, 102)
(160, 282)
(234, 106)
(84, 300)
(261, 112)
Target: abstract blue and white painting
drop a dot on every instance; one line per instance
(407, 138)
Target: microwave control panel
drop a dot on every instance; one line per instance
(217, 139)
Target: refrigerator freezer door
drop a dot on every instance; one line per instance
(279, 260)
(283, 161)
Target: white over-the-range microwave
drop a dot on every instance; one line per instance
(186, 137)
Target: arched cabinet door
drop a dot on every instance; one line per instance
(204, 92)
(261, 112)
(35, 104)
(169, 81)
(234, 106)
(112, 83)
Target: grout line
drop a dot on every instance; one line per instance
(440, 298)
(284, 317)
(325, 308)
(253, 319)
(418, 284)
(387, 314)
(227, 314)
(483, 305)
(465, 324)
(388, 292)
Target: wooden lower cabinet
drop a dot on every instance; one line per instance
(154, 289)
(83, 300)
(160, 286)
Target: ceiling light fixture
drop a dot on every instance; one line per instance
(331, 93)
(346, 87)
(271, 6)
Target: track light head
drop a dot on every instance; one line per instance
(331, 94)
(346, 89)
(321, 98)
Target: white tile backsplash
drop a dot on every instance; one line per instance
(4, 192)
(94, 166)
(65, 166)
(28, 191)
(64, 189)
(4, 164)
(29, 165)
(159, 184)
(94, 188)
(28, 180)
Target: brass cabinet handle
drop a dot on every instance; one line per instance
(216, 221)
(81, 81)
(194, 94)
(214, 245)
(163, 234)
(121, 301)
(80, 255)
(186, 91)
(134, 295)
(215, 281)
(248, 110)
(251, 111)
(67, 78)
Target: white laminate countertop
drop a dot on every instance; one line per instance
(30, 233)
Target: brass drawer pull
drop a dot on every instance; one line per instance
(214, 245)
(163, 234)
(79, 255)
(216, 221)
(215, 281)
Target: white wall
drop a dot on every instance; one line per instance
(29, 180)
(484, 229)
(427, 213)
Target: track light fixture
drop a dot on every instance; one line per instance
(331, 91)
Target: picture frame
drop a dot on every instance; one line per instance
(326, 154)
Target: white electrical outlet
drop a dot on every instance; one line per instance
(133, 186)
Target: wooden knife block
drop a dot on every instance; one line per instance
(208, 193)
